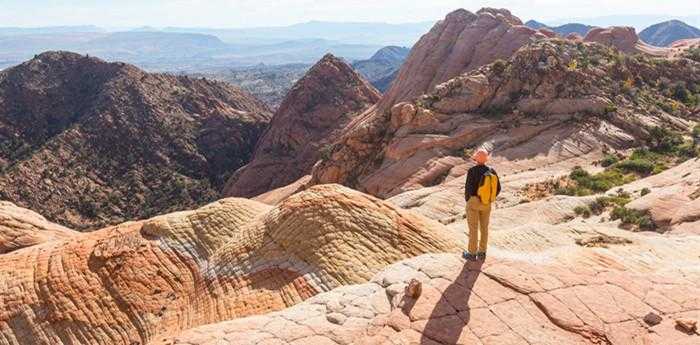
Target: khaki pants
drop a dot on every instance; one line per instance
(478, 220)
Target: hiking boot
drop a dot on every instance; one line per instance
(481, 256)
(468, 257)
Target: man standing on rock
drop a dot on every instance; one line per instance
(480, 192)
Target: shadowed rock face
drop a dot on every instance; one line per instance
(88, 143)
(317, 107)
(139, 281)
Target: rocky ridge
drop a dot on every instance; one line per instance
(315, 110)
(537, 108)
(452, 46)
(88, 143)
(455, 45)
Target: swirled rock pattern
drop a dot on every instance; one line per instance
(21, 228)
(138, 281)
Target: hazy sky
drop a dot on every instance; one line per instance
(247, 13)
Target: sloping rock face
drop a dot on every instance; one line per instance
(499, 302)
(538, 108)
(20, 228)
(673, 200)
(140, 281)
(88, 143)
(461, 42)
(319, 105)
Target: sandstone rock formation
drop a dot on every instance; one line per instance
(549, 279)
(461, 42)
(317, 107)
(20, 228)
(139, 281)
(88, 143)
(501, 302)
(538, 108)
(623, 38)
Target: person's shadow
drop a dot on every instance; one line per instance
(447, 329)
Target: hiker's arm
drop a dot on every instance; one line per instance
(498, 190)
(467, 184)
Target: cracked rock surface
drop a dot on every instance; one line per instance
(496, 302)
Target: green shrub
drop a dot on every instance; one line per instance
(499, 66)
(583, 211)
(693, 53)
(608, 201)
(659, 168)
(641, 166)
(645, 154)
(644, 191)
(681, 93)
(663, 140)
(633, 217)
(325, 152)
(696, 131)
(570, 191)
(587, 184)
(688, 150)
(610, 109)
(609, 160)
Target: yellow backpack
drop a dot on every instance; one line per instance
(488, 187)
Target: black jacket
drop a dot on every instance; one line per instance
(474, 178)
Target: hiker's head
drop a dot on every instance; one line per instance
(480, 156)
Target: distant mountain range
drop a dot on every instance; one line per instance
(176, 51)
(562, 30)
(380, 70)
(353, 33)
(638, 22)
(663, 34)
(271, 83)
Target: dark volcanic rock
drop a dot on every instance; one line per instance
(316, 108)
(88, 143)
